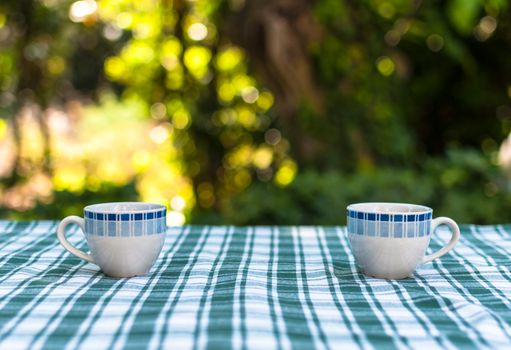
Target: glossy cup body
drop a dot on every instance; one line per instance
(125, 238)
(389, 240)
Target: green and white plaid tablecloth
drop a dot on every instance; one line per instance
(253, 288)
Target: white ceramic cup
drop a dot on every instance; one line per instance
(125, 238)
(389, 240)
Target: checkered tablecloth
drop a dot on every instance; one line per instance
(252, 288)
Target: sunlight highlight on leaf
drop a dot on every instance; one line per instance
(229, 59)
(70, 178)
(196, 59)
(115, 68)
(3, 129)
(181, 119)
(286, 173)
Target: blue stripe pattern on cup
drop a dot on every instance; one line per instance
(125, 224)
(402, 225)
(124, 216)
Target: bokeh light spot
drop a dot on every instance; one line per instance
(70, 178)
(141, 159)
(138, 52)
(246, 117)
(81, 9)
(385, 66)
(124, 20)
(112, 32)
(170, 62)
(249, 94)
(286, 173)
(265, 100)
(196, 59)
(484, 30)
(263, 157)
(159, 134)
(142, 31)
(197, 31)
(56, 65)
(242, 81)
(177, 203)
(114, 67)
(435, 42)
(3, 128)
(175, 218)
(229, 59)
(181, 119)
(206, 194)
(226, 116)
(158, 111)
(172, 47)
(242, 179)
(393, 37)
(272, 136)
(175, 79)
(226, 92)
(488, 24)
(387, 10)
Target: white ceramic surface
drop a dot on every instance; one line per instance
(388, 258)
(389, 240)
(125, 239)
(125, 256)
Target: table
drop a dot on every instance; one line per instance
(253, 288)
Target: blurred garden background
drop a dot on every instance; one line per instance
(255, 111)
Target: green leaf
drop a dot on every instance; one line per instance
(463, 14)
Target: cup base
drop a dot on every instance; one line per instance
(388, 276)
(125, 274)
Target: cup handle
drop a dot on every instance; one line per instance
(61, 235)
(454, 238)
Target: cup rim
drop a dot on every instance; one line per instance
(359, 207)
(108, 208)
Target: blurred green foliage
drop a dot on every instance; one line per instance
(464, 186)
(255, 111)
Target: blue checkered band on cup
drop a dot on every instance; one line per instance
(125, 224)
(394, 225)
